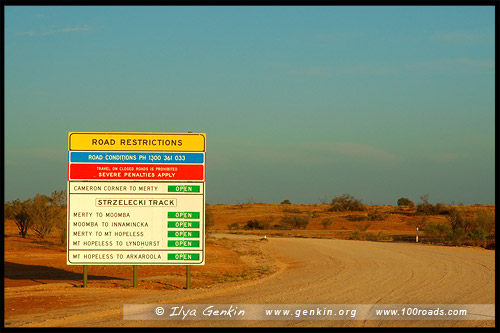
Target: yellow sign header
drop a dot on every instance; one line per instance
(129, 141)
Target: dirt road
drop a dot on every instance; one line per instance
(312, 271)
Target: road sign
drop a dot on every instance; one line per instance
(136, 204)
(125, 141)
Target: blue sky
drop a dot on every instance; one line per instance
(299, 103)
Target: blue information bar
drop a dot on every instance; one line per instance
(126, 157)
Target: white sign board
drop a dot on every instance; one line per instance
(122, 210)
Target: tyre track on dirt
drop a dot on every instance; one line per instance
(326, 271)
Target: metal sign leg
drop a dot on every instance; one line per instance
(84, 276)
(135, 276)
(188, 276)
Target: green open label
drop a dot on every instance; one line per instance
(184, 188)
(183, 256)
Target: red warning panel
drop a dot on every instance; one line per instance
(93, 171)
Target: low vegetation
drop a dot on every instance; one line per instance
(346, 203)
(438, 223)
(295, 221)
(40, 214)
(405, 203)
(464, 227)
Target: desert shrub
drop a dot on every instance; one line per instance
(383, 237)
(58, 201)
(458, 235)
(345, 203)
(9, 208)
(256, 224)
(363, 226)
(19, 211)
(326, 222)
(40, 214)
(376, 215)
(464, 227)
(441, 209)
(437, 231)
(60, 218)
(43, 214)
(209, 220)
(295, 221)
(478, 235)
(426, 208)
(354, 235)
(369, 236)
(285, 202)
(429, 209)
(290, 209)
(461, 219)
(405, 202)
(23, 222)
(420, 223)
(485, 220)
(233, 226)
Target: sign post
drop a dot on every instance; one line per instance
(85, 276)
(188, 276)
(136, 199)
(134, 278)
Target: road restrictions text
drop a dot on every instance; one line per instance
(136, 198)
(118, 224)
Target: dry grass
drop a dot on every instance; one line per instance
(395, 225)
